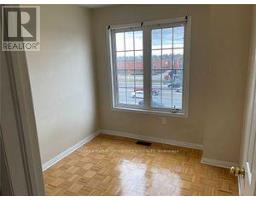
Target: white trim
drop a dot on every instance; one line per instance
(19, 129)
(68, 151)
(249, 173)
(149, 111)
(110, 63)
(124, 26)
(217, 163)
(165, 21)
(204, 160)
(239, 185)
(152, 139)
(187, 46)
(149, 23)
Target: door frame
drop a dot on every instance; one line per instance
(24, 140)
(246, 184)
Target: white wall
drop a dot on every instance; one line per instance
(62, 79)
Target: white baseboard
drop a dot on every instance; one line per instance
(204, 160)
(217, 163)
(68, 151)
(152, 139)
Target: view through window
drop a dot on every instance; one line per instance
(164, 80)
(167, 67)
(129, 65)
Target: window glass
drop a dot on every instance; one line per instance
(163, 84)
(167, 67)
(129, 65)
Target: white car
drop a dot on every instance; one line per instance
(138, 94)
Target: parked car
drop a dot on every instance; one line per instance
(174, 85)
(140, 93)
(179, 90)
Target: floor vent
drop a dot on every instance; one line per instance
(143, 143)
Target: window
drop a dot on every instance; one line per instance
(149, 65)
(129, 67)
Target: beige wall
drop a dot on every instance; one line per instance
(62, 79)
(226, 80)
(219, 56)
(190, 129)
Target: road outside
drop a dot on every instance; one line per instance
(163, 96)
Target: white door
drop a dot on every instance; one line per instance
(247, 182)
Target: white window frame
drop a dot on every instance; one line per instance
(146, 27)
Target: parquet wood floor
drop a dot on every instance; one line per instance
(111, 165)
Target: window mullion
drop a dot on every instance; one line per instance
(147, 67)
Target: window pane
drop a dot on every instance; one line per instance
(138, 40)
(166, 91)
(130, 96)
(121, 79)
(122, 95)
(119, 41)
(167, 98)
(129, 61)
(178, 59)
(166, 77)
(178, 37)
(167, 59)
(120, 63)
(120, 60)
(156, 39)
(167, 38)
(156, 59)
(129, 41)
(156, 88)
(121, 82)
(176, 85)
(175, 79)
(167, 67)
(139, 62)
(130, 78)
(177, 99)
(139, 94)
(129, 67)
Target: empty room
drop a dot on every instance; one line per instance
(128, 99)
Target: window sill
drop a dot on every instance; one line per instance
(151, 112)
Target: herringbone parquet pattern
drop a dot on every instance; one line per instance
(117, 166)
